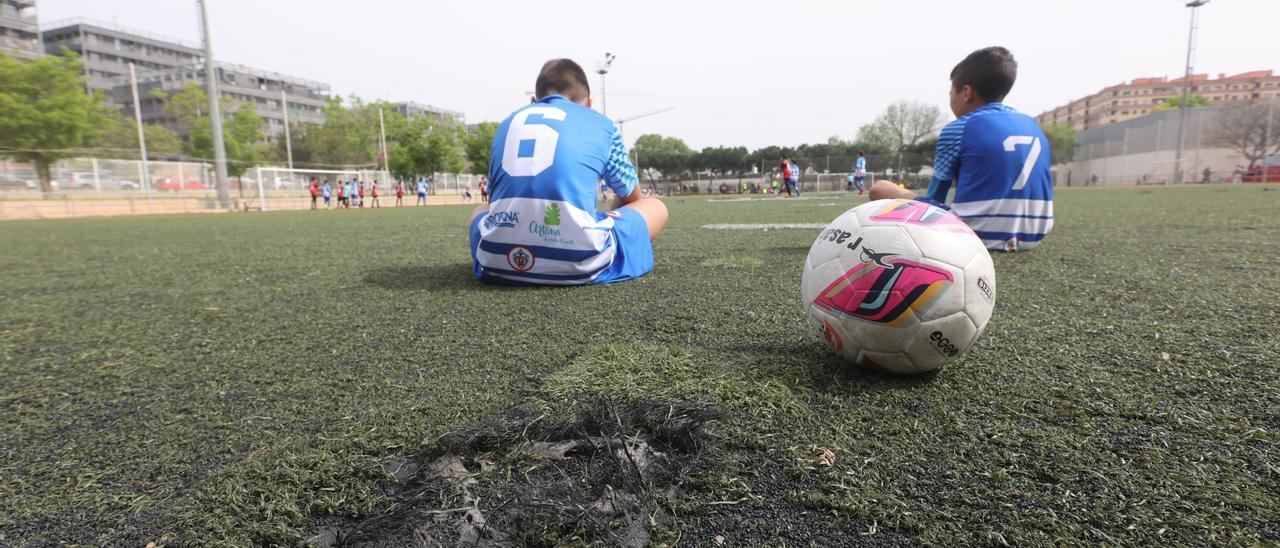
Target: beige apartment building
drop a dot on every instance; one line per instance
(1136, 98)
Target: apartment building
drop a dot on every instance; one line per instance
(19, 29)
(1138, 97)
(409, 109)
(169, 64)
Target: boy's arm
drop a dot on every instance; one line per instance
(946, 162)
(619, 173)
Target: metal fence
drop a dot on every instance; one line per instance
(96, 186)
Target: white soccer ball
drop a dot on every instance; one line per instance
(898, 285)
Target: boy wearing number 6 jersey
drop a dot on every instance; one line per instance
(996, 158)
(541, 225)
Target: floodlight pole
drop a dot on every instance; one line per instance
(602, 68)
(1266, 141)
(386, 155)
(215, 110)
(288, 140)
(142, 135)
(1178, 172)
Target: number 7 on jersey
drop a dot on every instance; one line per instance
(1010, 145)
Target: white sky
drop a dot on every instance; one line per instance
(744, 72)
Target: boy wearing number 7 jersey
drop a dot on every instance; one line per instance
(996, 158)
(541, 225)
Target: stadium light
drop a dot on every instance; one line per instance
(1178, 171)
(602, 68)
(215, 110)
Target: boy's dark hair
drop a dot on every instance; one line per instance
(564, 77)
(860, 153)
(989, 71)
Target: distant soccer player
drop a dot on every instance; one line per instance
(422, 192)
(996, 157)
(342, 196)
(373, 193)
(794, 181)
(360, 194)
(399, 193)
(860, 172)
(315, 192)
(484, 189)
(786, 175)
(543, 227)
(327, 190)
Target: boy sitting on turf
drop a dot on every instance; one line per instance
(542, 226)
(997, 158)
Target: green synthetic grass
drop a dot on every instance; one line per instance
(249, 378)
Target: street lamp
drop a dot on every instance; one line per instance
(1186, 90)
(602, 68)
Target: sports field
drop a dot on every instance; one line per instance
(340, 377)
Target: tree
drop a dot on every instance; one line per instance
(479, 142)
(118, 136)
(668, 155)
(44, 111)
(1062, 141)
(424, 146)
(1243, 129)
(240, 134)
(1193, 101)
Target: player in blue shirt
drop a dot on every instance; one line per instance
(327, 191)
(795, 177)
(860, 172)
(542, 226)
(996, 158)
(422, 192)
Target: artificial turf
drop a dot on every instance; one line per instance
(264, 378)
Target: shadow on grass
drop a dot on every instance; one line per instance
(825, 372)
(451, 277)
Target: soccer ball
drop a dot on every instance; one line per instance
(898, 285)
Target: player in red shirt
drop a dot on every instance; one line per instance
(399, 193)
(315, 193)
(342, 196)
(484, 189)
(373, 192)
(786, 174)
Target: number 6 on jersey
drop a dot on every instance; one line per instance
(531, 147)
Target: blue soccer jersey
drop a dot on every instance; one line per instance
(542, 226)
(998, 161)
(861, 166)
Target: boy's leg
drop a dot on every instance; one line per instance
(654, 213)
(887, 190)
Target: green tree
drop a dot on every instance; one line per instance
(1193, 101)
(44, 111)
(668, 155)
(423, 146)
(1062, 141)
(479, 142)
(241, 132)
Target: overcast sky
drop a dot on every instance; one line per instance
(744, 72)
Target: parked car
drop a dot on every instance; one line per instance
(1254, 175)
(85, 181)
(171, 183)
(12, 181)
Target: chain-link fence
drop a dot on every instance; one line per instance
(95, 186)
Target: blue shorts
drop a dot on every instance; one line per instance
(422, 195)
(632, 259)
